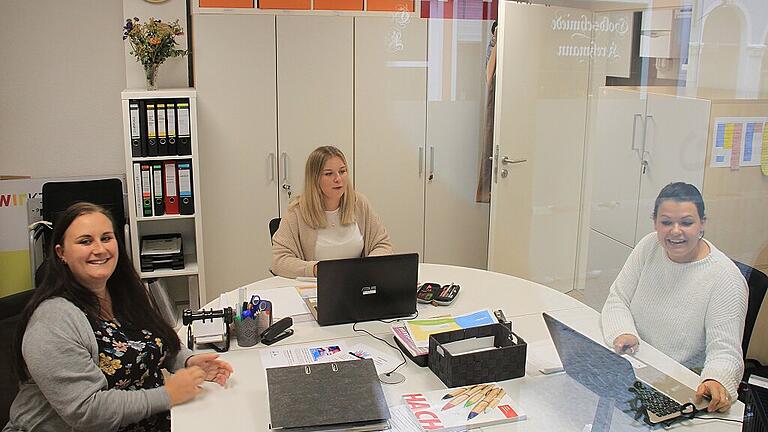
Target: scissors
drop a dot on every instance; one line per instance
(257, 303)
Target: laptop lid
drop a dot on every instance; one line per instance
(589, 363)
(365, 289)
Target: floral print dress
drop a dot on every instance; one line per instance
(132, 359)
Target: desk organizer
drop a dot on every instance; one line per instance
(505, 362)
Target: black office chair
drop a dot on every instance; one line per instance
(10, 312)
(757, 282)
(274, 224)
(58, 196)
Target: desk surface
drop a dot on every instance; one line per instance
(553, 403)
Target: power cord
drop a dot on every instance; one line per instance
(404, 361)
(718, 418)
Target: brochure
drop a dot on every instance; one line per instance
(463, 408)
(420, 329)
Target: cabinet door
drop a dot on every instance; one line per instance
(236, 113)
(390, 123)
(606, 258)
(315, 92)
(675, 148)
(616, 160)
(456, 227)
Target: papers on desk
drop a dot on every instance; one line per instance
(286, 301)
(420, 329)
(325, 353)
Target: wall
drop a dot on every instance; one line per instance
(60, 86)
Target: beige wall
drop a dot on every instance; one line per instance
(64, 66)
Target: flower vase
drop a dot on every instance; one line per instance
(150, 72)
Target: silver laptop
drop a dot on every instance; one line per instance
(365, 289)
(612, 376)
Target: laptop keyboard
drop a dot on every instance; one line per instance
(655, 401)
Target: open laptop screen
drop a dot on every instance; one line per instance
(365, 289)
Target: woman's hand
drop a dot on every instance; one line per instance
(184, 385)
(720, 400)
(215, 370)
(626, 344)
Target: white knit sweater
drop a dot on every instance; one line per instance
(693, 312)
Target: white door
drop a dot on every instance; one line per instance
(315, 88)
(675, 148)
(616, 162)
(238, 144)
(390, 123)
(540, 118)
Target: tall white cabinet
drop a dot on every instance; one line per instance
(190, 226)
(304, 81)
(642, 142)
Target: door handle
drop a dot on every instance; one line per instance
(634, 129)
(507, 161)
(421, 160)
(284, 157)
(431, 163)
(272, 166)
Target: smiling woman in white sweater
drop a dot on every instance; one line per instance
(682, 295)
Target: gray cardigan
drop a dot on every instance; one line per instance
(67, 390)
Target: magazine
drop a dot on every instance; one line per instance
(463, 407)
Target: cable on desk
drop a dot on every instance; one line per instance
(718, 418)
(354, 327)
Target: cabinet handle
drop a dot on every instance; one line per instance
(272, 166)
(284, 157)
(634, 129)
(431, 162)
(645, 135)
(421, 160)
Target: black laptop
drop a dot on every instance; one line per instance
(365, 289)
(613, 378)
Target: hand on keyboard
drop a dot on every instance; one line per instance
(720, 400)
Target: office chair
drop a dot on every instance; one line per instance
(58, 196)
(10, 312)
(274, 224)
(757, 282)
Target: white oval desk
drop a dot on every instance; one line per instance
(552, 403)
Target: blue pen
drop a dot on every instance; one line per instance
(247, 314)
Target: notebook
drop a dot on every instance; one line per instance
(343, 395)
(365, 289)
(611, 376)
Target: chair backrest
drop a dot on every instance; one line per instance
(274, 224)
(10, 312)
(108, 193)
(758, 284)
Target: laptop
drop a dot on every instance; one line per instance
(756, 410)
(610, 375)
(365, 289)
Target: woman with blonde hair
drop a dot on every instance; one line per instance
(328, 221)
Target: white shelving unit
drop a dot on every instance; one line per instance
(189, 226)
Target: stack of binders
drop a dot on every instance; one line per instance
(161, 251)
(160, 127)
(163, 187)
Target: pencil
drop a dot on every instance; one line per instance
(478, 394)
(483, 405)
(458, 400)
(458, 391)
(496, 399)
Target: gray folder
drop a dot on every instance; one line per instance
(335, 395)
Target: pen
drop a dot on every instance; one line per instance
(355, 355)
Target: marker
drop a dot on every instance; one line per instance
(355, 355)
(458, 400)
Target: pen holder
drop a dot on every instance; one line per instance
(249, 330)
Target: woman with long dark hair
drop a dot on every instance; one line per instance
(90, 345)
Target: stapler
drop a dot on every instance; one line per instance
(277, 331)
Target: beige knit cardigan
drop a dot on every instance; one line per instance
(293, 245)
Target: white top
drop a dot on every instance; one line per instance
(337, 241)
(693, 312)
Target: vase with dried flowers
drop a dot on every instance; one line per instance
(152, 43)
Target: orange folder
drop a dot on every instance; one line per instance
(284, 4)
(226, 3)
(390, 5)
(338, 5)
